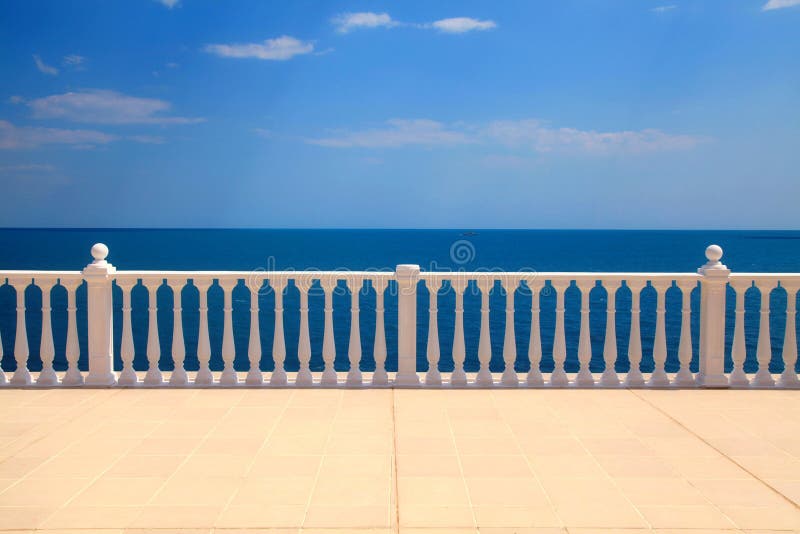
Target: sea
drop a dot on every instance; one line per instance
(256, 250)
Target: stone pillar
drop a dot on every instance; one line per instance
(407, 278)
(713, 282)
(99, 278)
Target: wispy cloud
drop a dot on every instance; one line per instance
(169, 4)
(347, 22)
(105, 107)
(527, 134)
(278, 49)
(664, 9)
(396, 133)
(14, 137)
(28, 167)
(44, 67)
(780, 4)
(147, 139)
(463, 25)
(74, 61)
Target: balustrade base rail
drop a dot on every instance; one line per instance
(715, 281)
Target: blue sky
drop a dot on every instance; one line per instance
(414, 114)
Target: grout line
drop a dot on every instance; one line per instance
(393, 474)
(729, 458)
(461, 469)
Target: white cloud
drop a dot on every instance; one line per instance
(526, 134)
(278, 49)
(664, 9)
(169, 4)
(74, 61)
(15, 99)
(13, 137)
(463, 24)
(43, 67)
(396, 133)
(147, 139)
(28, 167)
(346, 22)
(780, 4)
(105, 107)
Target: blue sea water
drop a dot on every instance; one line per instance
(467, 250)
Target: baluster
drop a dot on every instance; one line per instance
(509, 377)
(278, 377)
(254, 376)
(684, 376)
(47, 351)
(584, 377)
(354, 348)
(459, 377)
(559, 377)
(73, 376)
(128, 376)
(484, 377)
(153, 376)
(379, 378)
(535, 346)
(659, 378)
(179, 376)
(789, 378)
(609, 377)
(204, 376)
(329, 377)
(635, 378)
(739, 350)
(433, 377)
(228, 377)
(21, 377)
(304, 377)
(764, 352)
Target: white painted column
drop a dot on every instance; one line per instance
(73, 376)
(407, 277)
(203, 376)
(559, 377)
(659, 378)
(738, 377)
(484, 377)
(459, 377)
(228, 376)
(380, 377)
(584, 377)
(713, 283)
(254, 376)
(635, 378)
(179, 376)
(610, 377)
(509, 377)
(329, 377)
(354, 346)
(304, 377)
(685, 378)
(100, 318)
(535, 377)
(127, 376)
(153, 376)
(764, 353)
(21, 377)
(47, 350)
(789, 378)
(278, 377)
(433, 377)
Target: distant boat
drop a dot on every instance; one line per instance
(469, 234)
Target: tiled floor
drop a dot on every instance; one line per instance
(412, 461)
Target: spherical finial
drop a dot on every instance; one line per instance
(713, 253)
(99, 252)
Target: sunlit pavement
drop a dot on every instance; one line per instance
(382, 460)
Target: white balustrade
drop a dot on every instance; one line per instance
(713, 279)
